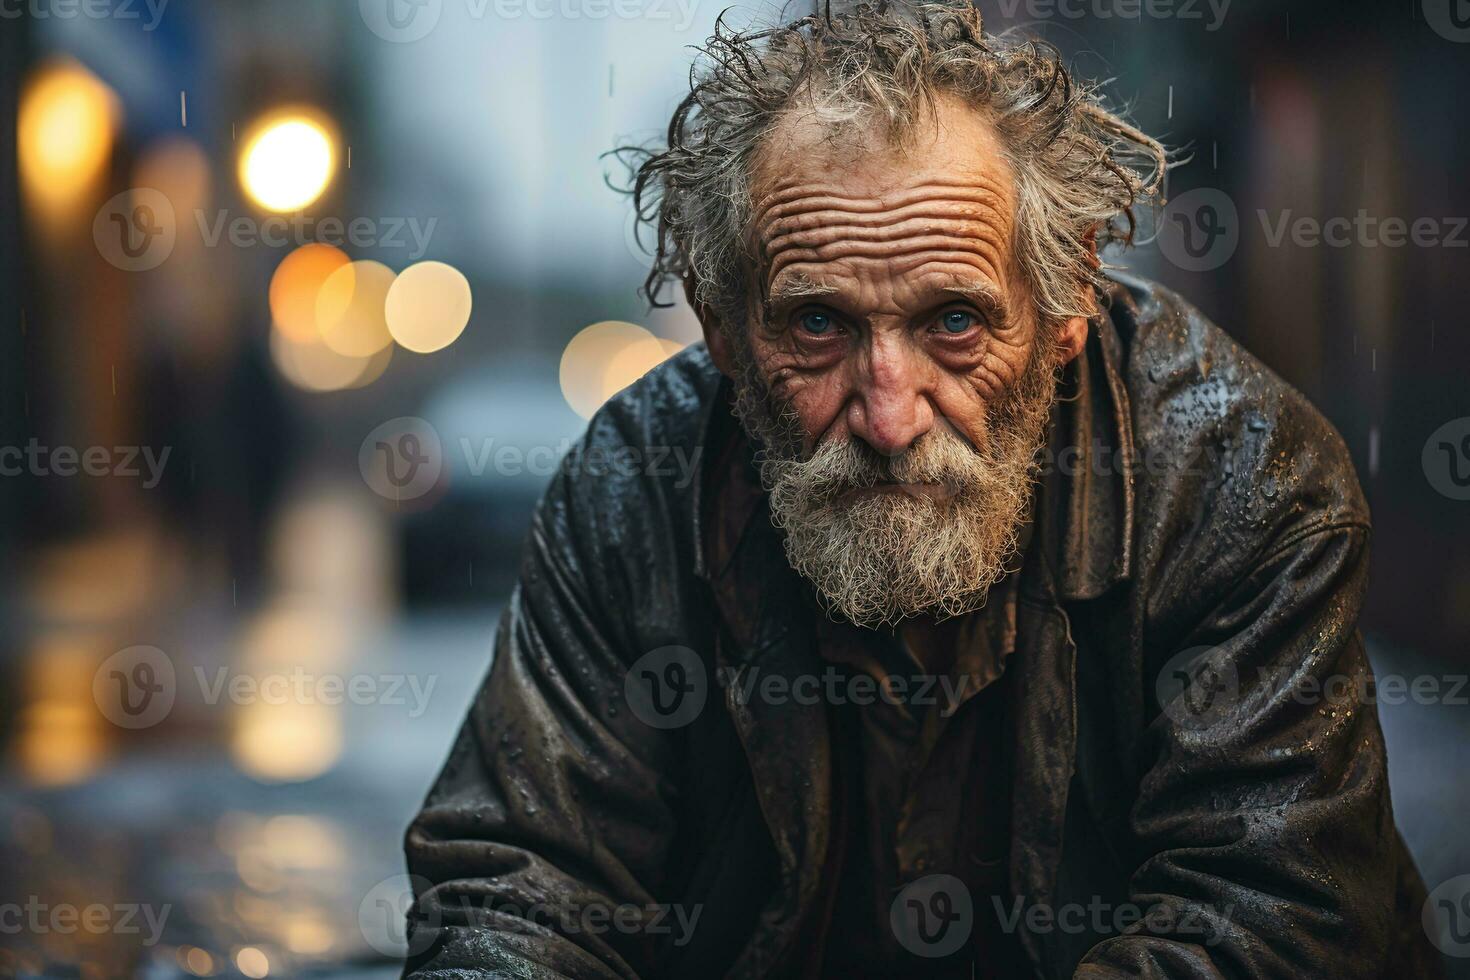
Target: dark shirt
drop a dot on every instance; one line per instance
(919, 852)
(921, 801)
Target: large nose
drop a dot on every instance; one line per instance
(891, 408)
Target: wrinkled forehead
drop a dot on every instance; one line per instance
(939, 199)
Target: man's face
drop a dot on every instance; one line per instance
(890, 300)
(893, 364)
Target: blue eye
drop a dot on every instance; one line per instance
(957, 321)
(818, 323)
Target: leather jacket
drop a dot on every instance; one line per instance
(1191, 502)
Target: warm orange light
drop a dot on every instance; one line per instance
(252, 962)
(633, 362)
(350, 309)
(61, 738)
(288, 160)
(287, 733)
(428, 306)
(308, 935)
(313, 366)
(294, 288)
(64, 132)
(196, 961)
(287, 742)
(605, 358)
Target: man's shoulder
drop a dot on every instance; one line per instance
(648, 438)
(670, 404)
(1229, 452)
(625, 499)
(647, 442)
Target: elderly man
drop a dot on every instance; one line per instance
(1008, 628)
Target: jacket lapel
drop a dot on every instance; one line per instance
(1081, 549)
(769, 615)
(787, 745)
(1043, 728)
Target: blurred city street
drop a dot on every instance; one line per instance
(307, 874)
(302, 302)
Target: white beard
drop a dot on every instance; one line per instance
(877, 557)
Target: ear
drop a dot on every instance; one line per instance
(1071, 338)
(1073, 334)
(714, 333)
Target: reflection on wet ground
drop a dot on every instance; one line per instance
(177, 864)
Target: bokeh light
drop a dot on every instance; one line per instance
(373, 368)
(299, 736)
(288, 161)
(605, 358)
(313, 366)
(295, 286)
(350, 308)
(428, 306)
(62, 739)
(64, 132)
(287, 742)
(252, 962)
(308, 935)
(633, 362)
(196, 961)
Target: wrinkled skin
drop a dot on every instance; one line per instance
(889, 322)
(889, 298)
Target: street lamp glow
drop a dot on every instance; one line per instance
(606, 357)
(64, 133)
(428, 306)
(287, 163)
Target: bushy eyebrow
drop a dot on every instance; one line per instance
(796, 287)
(983, 294)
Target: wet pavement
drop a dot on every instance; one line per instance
(192, 868)
(200, 870)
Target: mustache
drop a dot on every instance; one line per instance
(941, 461)
(878, 557)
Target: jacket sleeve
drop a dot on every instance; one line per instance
(538, 850)
(1263, 819)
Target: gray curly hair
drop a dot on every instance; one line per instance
(1080, 170)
